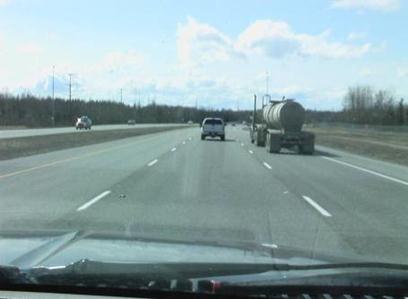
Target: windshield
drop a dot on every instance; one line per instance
(213, 121)
(113, 147)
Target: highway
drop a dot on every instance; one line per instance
(174, 184)
(61, 130)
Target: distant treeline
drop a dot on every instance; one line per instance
(361, 105)
(364, 105)
(31, 111)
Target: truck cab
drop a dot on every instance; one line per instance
(213, 127)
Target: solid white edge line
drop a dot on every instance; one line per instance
(267, 165)
(368, 171)
(316, 206)
(151, 163)
(93, 200)
(173, 149)
(251, 152)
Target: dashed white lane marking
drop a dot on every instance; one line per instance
(93, 200)
(368, 171)
(189, 138)
(183, 142)
(273, 246)
(151, 163)
(251, 152)
(316, 206)
(267, 165)
(242, 144)
(173, 149)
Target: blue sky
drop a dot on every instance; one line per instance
(216, 53)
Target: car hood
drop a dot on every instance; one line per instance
(58, 248)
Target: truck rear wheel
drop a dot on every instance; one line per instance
(307, 146)
(202, 137)
(251, 135)
(259, 140)
(273, 142)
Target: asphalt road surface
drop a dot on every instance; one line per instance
(173, 183)
(62, 130)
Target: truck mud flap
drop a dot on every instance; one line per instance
(273, 142)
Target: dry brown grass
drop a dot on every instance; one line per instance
(387, 146)
(12, 127)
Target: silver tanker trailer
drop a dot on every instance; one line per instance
(281, 127)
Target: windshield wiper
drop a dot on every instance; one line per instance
(197, 270)
(10, 275)
(225, 278)
(359, 279)
(357, 265)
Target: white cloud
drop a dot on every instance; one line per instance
(117, 61)
(4, 2)
(107, 74)
(277, 39)
(356, 36)
(368, 72)
(402, 72)
(379, 5)
(30, 48)
(44, 86)
(199, 43)
(268, 37)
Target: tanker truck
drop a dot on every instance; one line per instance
(281, 127)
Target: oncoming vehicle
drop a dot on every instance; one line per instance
(83, 122)
(131, 122)
(213, 127)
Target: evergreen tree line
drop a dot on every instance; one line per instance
(31, 111)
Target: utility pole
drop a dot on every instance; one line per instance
(70, 86)
(53, 95)
(267, 82)
(121, 95)
(266, 99)
(254, 113)
(53, 82)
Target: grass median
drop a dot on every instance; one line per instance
(386, 146)
(26, 146)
